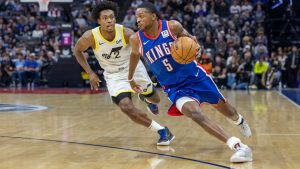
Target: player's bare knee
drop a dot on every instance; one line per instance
(197, 114)
(126, 107)
(191, 111)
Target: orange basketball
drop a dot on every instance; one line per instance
(184, 50)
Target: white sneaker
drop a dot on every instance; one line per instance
(243, 154)
(245, 129)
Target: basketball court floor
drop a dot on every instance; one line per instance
(86, 131)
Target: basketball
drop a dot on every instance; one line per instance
(184, 50)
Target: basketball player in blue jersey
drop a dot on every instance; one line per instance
(109, 42)
(187, 85)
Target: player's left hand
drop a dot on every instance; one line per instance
(135, 86)
(94, 81)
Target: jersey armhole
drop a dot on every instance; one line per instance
(141, 50)
(169, 30)
(95, 40)
(123, 35)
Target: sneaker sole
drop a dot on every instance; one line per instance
(242, 160)
(166, 143)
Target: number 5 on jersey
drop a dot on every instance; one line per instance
(167, 65)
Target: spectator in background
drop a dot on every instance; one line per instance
(221, 45)
(219, 77)
(242, 78)
(80, 21)
(247, 6)
(232, 69)
(7, 68)
(233, 54)
(247, 65)
(47, 62)
(282, 59)
(269, 79)
(37, 32)
(292, 67)
(31, 68)
(176, 16)
(260, 50)
(259, 68)
(18, 72)
(235, 8)
(247, 32)
(259, 14)
(212, 15)
(136, 3)
(209, 44)
(130, 21)
(219, 72)
(261, 38)
(205, 62)
(201, 8)
(222, 8)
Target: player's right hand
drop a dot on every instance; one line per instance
(198, 54)
(94, 81)
(135, 86)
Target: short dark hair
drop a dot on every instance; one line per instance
(104, 5)
(150, 7)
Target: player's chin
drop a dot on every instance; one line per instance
(141, 28)
(110, 30)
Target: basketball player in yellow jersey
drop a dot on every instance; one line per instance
(110, 45)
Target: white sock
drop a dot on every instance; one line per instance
(155, 126)
(239, 120)
(232, 141)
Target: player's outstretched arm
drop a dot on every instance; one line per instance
(83, 43)
(134, 60)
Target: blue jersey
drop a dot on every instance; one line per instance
(156, 51)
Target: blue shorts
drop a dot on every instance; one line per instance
(200, 89)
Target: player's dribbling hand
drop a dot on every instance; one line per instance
(198, 46)
(135, 86)
(94, 81)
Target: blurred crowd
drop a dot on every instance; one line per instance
(231, 33)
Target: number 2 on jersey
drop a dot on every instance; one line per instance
(167, 65)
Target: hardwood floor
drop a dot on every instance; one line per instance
(89, 132)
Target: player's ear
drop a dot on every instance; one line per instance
(153, 16)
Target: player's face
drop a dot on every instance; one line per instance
(144, 18)
(107, 20)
